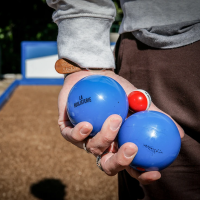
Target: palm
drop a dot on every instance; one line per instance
(77, 139)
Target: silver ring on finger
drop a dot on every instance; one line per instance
(84, 147)
(98, 162)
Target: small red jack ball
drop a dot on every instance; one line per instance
(139, 100)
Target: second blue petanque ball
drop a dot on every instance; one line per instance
(94, 98)
(156, 136)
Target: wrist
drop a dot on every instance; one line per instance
(88, 72)
(67, 67)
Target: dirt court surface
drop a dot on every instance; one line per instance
(35, 160)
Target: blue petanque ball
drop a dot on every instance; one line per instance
(94, 98)
(156, 136)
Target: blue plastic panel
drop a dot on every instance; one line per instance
(36, 49)
(8, 92)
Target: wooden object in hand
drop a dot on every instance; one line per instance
(64, 66)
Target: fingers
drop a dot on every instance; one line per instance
(69, 82)
(102, 140)
(77, 134)
(144, 178)
(113, 147)
(81, 131)
(180, 129)
(113, 163)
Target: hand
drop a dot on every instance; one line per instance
(117, 159)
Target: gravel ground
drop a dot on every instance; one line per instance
(36, 162)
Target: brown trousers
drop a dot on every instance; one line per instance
(172, 78)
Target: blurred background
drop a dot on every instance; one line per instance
(22, 20)
(35, 161)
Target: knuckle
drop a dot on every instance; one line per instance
(65, 136)
(61, 125)
(108, 172)
(74, 137)
(107, 139)
(120, 162)
(60, 122)
(95, 151)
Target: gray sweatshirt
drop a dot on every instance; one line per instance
(84, 26)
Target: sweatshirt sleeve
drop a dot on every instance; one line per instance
(84, 31)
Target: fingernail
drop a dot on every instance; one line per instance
(115, 124)
(84, 130)
(129, 152)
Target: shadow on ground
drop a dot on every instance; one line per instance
(49, 189)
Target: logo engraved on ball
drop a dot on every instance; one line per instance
(153, 150)
(82, 101)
